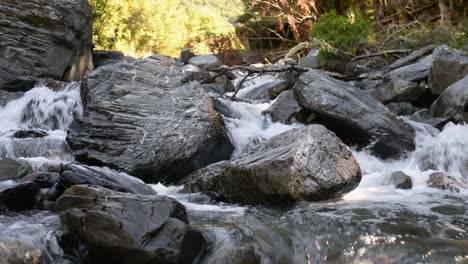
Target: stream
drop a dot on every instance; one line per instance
(375, 223)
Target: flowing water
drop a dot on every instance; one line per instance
(375, 223)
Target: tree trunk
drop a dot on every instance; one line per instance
(445, 12)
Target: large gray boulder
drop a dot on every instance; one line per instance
(449, 66)
(399, 91)
(145, 119)
(310, 164)
(415, 72)
(126, 228)
(284, 108)
(354, 115)
(453, 102)
(41, 38)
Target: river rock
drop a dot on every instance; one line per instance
(415, 72)
(399, 91)
(6, 97)
(43, 179)
(453, 102)
(402, 108)
(127, 228)
(354, 115)
(12, 169)
(144, 119)
(207, 62)
(425, 116)
(44, 39)
(311, 60)
(31, 133)
(400, 180)
(444, 181)
(449, 66)
(18, 197)
(104, 177)
(185, 55)
(104, 57)
(310, 164)
(284, 108)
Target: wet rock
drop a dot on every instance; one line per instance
(425, 116)
(103, 57)
(310, 164)
(399, 91)
(185, 55)
(161, 129)
(403, 108)
(449, 66)
(444, 181)
(111, 225)
(12, 169)
(29, 134)
(400, 180)
(416, 72)
(206, 180)
(18, 197)
(263, 87)
(194, 73)
(453, 102)
(354, 115)
(207, 62)
(311, 60)
(43, 179)
(44, 39)
(6, 97)
(284, 108)
(104, 177)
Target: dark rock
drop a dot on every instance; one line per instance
(398, 91)
(6, 97)
(411, 73)
(284, 108)
(453, 102)
(30, 134)
(11, 169)
(194, 73)
(186, 55)
(18, 197)
(103, 57)
(263, 87)
(43, 179)
(400, 180)
(205, 180)
(143, 119)
(127, 228)
(424, 116)
(444, 181)
(448, 67)
(104, 177)
(44, 39)
(403, 108)
(310, 164)
(207, 62)
(311, 60)
(354, 115)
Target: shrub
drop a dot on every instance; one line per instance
(342, 32)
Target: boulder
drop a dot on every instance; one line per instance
(425, 116)
(453, 102)
(398, 91)
(403, 108)
(207, 62)
(43, 179)
(31, 133)
(145, 119)
(127, 228)
(400, 180)
(12, 169)
(18, 197)
(309, 164)
(354, 115)
(104, 57)
(44, 39)
(415, 72)
(185, 55)
(449, 66)
(104, 177)
(311, 60)
(444, 181)
(284, 108)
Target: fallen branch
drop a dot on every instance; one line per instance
(383, 53)
(410, 58)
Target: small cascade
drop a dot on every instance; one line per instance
(34, 126)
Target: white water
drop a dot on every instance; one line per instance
(45, 110)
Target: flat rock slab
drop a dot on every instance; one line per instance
(144, 118)
(44, 38)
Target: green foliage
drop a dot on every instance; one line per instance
(142, 27)
(342, 32)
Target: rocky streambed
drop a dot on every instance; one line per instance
(164, 160)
